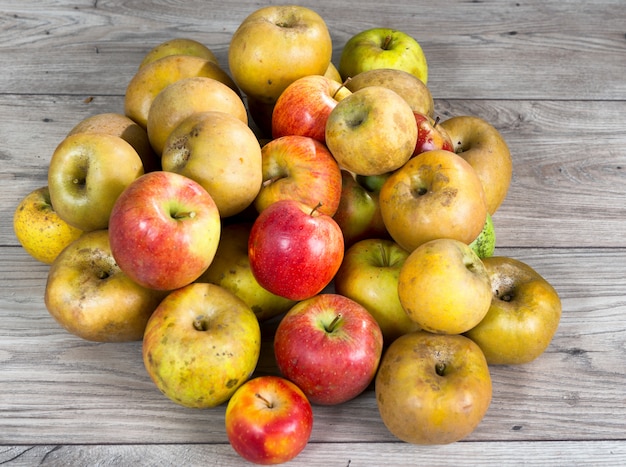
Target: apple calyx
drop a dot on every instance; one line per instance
(440, 368)
(201, 323)
(333, 324)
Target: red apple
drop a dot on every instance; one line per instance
(294, 250)
(358, 213)
(430, 135)
(164, 230)
(304, 106)
(300, 168)
(330, 346)
(268, 420)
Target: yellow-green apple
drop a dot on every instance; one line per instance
(411, 88)
(369, 276)
(152, 78)
(523, 317)
(299, 168)
(430, 135)
(358, 214)
(200, 345)
(433, 389)
(185, 97)
(230, 269)
(371, 131)
(483, 146)
(274, 46)
(436, 194)
(178, 46)
(303, 107)
(294, 250)
(221, 153)
(117, 124)
(485, 244)
(383, 48)
(330, 346)
(444, 287)
(164, 230)
(268, 420)
(86, 174)
(38, 227)
(91, 297)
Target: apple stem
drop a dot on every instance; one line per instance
(386, 42)
(383, 253)
(269, 181)
(333, 323)
(440, 368)
(319, 205)
(268, 403)
(182, 215)
(437, 120)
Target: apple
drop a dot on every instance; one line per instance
(383, 48)
(430, 135)
(371, 131)
(485, 244)
(221, 153)
(164, 230)
(230, 269)
(91, 297)
(433, 389)
(523, 317)
(300, 168)
(333, 73)
(303, 107)
(444, 287)
(274, 46)
(268, 420)
(358, 214)
(294, 250)
(330, 346)
(407, 85)
(200, 345)
(484, 148)
(151, 79)
(86, 174)
(178, 46)
(436, 194)
(185, 97)
(117, 124)
(39, 229)
(369, 276)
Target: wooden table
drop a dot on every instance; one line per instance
(548, 74)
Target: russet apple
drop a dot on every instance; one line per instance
(87, 173)
(164, 230)
(185, 97)
(483, 147)
(523, 317)
(436, 194)
(371, 131)
(268, 420)
(294, 251)
(330, 346)
(444, 287)
(383, 48)
(200, 345)
(300, 168)
(91, 297)
(39, 229)
(221, 153)
(274, 46)
(369, 276)
(179, 46)
(433, 389)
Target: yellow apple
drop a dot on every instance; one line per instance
(179, 46)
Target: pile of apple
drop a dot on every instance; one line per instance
(347, 218)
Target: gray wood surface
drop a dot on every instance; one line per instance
(548, 74)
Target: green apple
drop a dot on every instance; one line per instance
(230, 269)
(200, 344)
(485, 244)
(383, 48)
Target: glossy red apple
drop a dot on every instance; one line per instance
(299, 168)
(294, 250)
(268, 420)
(164, 230)
(304, 106)
(330, 346)
(430, 135)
